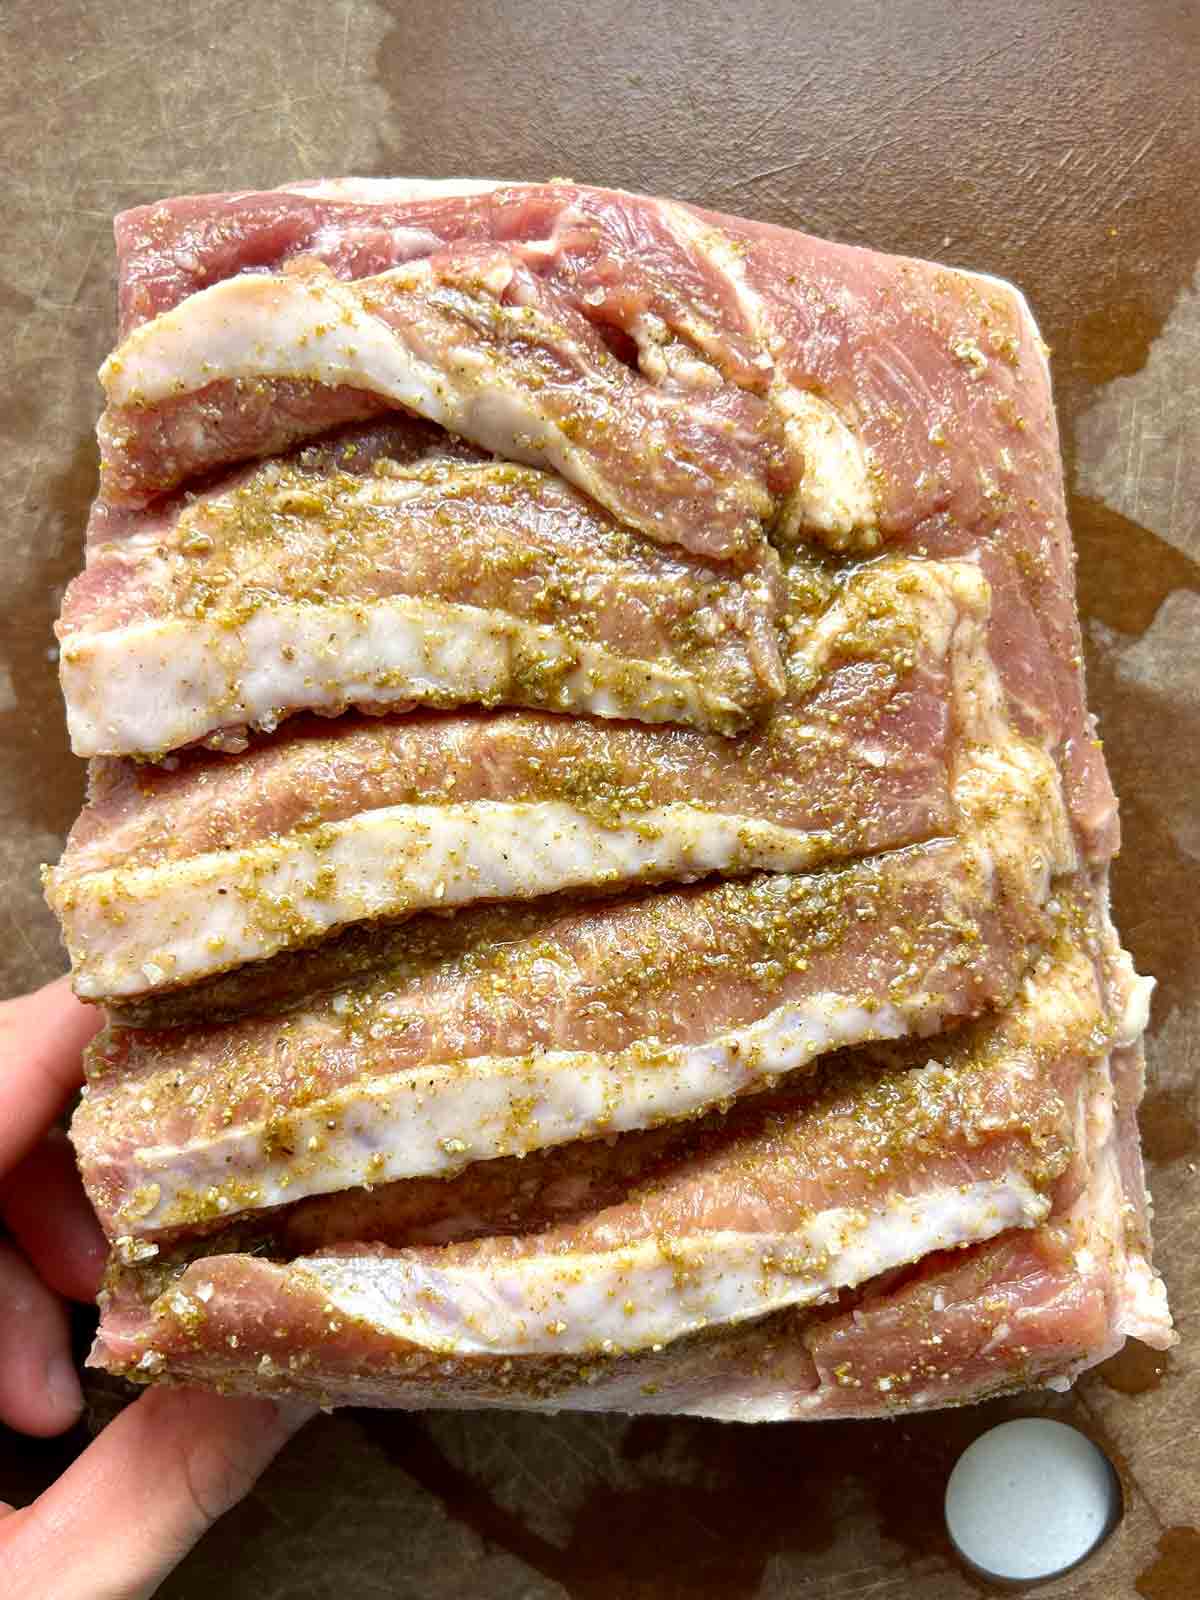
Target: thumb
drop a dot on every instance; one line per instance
(132, 1506)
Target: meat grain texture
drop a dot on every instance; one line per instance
(596, 854)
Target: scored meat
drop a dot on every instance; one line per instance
(912, 401)
(784, 1203)
(491, 1034)
(472, 340)
(170, 876)
(387, 568)
(671, 971)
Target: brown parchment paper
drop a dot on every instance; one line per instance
(1054, 143)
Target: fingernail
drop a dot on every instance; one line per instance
(62, 1386)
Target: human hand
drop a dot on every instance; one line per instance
(137, 1499)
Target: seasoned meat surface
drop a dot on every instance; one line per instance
(596, 852)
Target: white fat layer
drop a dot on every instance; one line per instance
(1116, 1217)
(440, 1118)
(1138, 1296)
(154, 686)
(664, 358)
(212, 911)
(1144, 1313)
(657, 1290)
(1007, 790)
(1132, 995)
(834, 497)
(271, 326)
(1103, 1226)
(316, 328)
(393, 191)
(407, 244)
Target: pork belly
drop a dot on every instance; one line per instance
(906, 401)
(392, 567)
(855, 353)
(616, 912)
(171, 875)
(409, 1054)
(672, 1242)
(471, 339)
(452, 1040)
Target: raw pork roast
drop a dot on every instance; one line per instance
(596, 854)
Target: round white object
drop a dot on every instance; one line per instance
(1030, 1499)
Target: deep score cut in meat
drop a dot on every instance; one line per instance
(595, 852)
